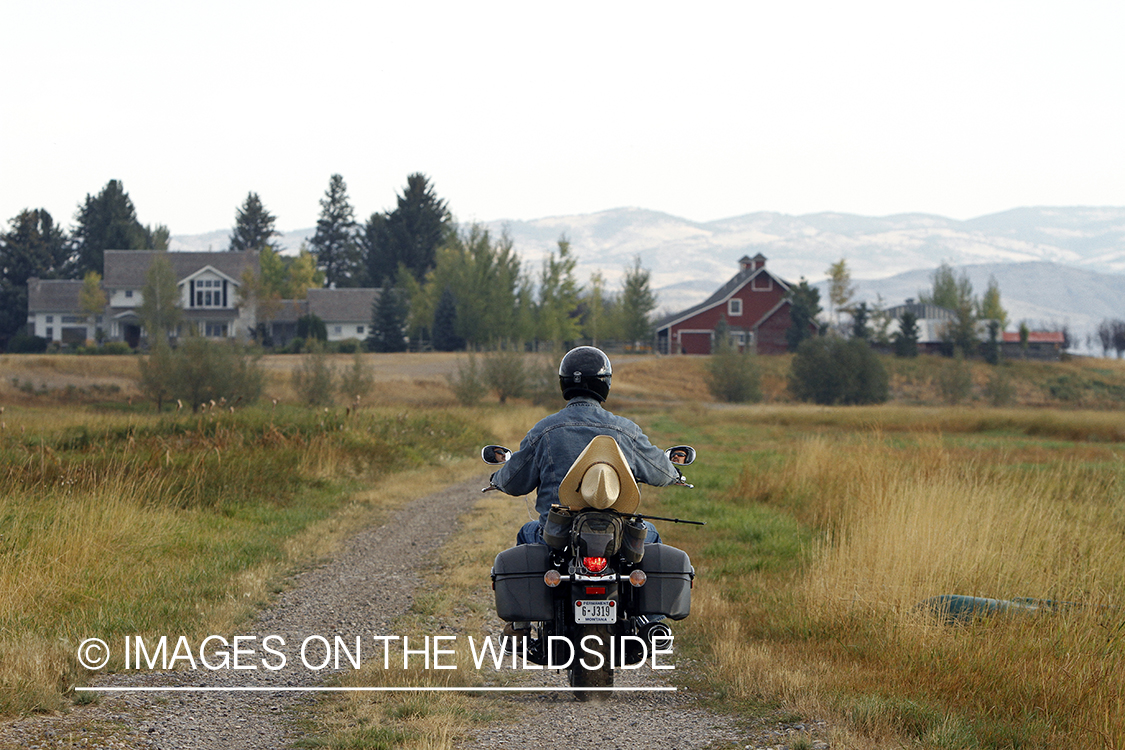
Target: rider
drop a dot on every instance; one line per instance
(552, 445)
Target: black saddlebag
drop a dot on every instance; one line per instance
(517, 577)
(667, 591)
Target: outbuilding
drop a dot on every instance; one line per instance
(754, 304)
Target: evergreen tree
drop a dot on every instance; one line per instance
(804, 306)
(905, 339)
(637, 303)
(445, 323)
(388, 322)
(108, 221)
(32, 247)
(408, 236)
(593, 303)
(859, 322)
(253, 226)
(334, 244)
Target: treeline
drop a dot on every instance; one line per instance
(444, 286)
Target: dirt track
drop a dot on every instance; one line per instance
(359, 593)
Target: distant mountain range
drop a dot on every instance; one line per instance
(1053, 265)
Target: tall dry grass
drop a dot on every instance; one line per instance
(902, 524)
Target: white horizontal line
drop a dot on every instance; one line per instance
(288, 689)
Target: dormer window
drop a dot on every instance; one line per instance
(209, 293)
(734, 307)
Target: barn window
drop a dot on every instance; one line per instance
(762, 283)
(734, 307)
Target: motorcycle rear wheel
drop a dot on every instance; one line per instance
(580, 677)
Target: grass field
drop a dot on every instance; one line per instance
(826, 528)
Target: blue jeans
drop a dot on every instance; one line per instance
(532, 533)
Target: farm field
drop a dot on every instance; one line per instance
(827, 527)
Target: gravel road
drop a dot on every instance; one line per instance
(359, 593)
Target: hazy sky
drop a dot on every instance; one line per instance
(522, 110)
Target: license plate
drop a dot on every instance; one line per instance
(588, 611)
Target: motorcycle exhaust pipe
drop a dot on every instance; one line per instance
(658, 634)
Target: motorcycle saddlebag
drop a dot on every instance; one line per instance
(517, 577)
(667, 591)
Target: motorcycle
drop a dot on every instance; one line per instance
(595, 597)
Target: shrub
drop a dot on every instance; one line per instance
(356, 381)
(467, 382)
(315, 379)
(349, 346)
(23, 344)
(543, 382)
(955, 381)
(829, 370)
(505, 373)
(734, 377)
(1000, 391)
(199, 371)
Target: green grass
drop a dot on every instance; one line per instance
(782, 489)
(174, 525)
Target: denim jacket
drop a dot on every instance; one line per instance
(551, 446)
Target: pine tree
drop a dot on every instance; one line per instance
(637, 303)
(388, 322)
(337, 251)
(33, 247)
(253, 226)
(107, 221)
(804, 306)
(905, 339)
(859, 322)
(408, 236)
(445, 323)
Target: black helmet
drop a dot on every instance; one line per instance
(585, 371)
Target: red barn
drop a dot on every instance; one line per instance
(752, 303)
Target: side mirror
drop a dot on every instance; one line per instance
(495, 454)
(681, 455)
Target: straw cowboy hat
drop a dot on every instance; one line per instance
(600, 478)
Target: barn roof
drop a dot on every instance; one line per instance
(739, 280)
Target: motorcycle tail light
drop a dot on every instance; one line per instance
(595, 564)
(552, 578)
(638, 578)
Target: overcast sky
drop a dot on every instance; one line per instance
(523, 110)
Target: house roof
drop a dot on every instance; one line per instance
(342, 305)
(736, 282)
(1035, 337)
(922, 311)
(52, 295)
(126, 269)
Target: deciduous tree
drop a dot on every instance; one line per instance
(159, 310)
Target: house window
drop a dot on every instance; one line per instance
(50, 333)
(359, 329)
(215, 330)
(128, 294)
(73, 319)
(338, 329)
(50, 318)
(734, 307)
(762, 283)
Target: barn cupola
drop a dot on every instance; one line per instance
(746, 263)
